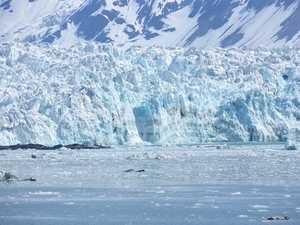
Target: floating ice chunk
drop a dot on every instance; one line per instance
(290, 145)
(242, 216)
(260, 206)
(44, 193)
(147, 156)
(69, 203)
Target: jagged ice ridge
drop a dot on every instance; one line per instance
(99, 94)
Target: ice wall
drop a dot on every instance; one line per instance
(100, 94)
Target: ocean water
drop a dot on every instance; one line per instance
(188, 184)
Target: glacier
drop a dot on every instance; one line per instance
(100, 94)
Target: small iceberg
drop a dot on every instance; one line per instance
(290, 145)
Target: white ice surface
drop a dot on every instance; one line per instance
(199, 184)
(100, 94)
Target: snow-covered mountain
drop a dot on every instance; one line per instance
(100, 94)
(168, 23)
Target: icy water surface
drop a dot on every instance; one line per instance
(199, 184)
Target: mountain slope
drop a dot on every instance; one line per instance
(198, 23)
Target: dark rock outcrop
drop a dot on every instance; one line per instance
(284, 217)
(43, 147)
(8, 177)
(133, 170)
(30, 179)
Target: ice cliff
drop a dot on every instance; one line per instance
(100, 94)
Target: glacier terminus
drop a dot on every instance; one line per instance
(99, 94)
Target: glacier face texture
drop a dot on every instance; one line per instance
(100, 94)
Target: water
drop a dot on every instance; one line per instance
(198, 184)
